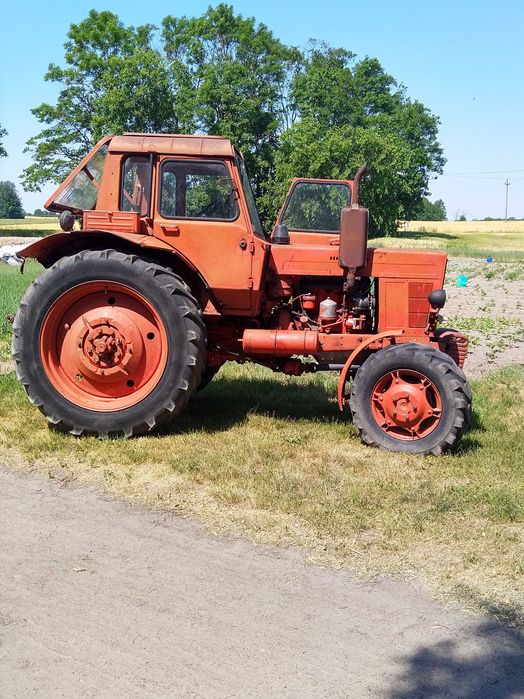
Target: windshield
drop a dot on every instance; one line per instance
(250, 197)
(81, 193)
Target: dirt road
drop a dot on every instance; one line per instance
(101, 599)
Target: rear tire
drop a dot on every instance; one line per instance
(107, 343)
(410, 398)
(208, 375)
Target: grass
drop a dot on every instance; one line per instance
(502, 240)
(12, 286)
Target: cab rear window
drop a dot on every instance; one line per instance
(82, 192)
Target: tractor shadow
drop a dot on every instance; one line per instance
(226, 402)
(487, 662)
(469, 442)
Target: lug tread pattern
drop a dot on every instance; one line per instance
(195, 331)
(437, 362)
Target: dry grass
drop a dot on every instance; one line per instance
(271, 457)
(466, 227)
(43, 223)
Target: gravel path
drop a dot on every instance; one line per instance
(101, 599)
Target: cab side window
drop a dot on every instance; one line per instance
(197, 190)
(135, 192)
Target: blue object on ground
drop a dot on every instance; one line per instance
(462, 280)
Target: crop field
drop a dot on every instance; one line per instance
(502, 240)
(28, 227)
(270, 457)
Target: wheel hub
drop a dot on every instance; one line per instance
(406, 404)
(104, 345)
(110, 348)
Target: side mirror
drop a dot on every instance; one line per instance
(353, 237)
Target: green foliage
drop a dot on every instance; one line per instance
(43, 212)
(115, 81)
(10, 203)
(431, 210)
(353, 112)
(316, 206)
(224, 74)
(3, 133)
(230, 78)
(309, 150)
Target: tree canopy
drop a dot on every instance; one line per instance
(431, 210)
(318, 112)
(3, 133)
(10, 203)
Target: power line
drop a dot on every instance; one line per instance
(483, 172)
(478, 177)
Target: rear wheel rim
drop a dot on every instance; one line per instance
(406, 405)
(103, 346)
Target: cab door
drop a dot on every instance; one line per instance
(198, 212)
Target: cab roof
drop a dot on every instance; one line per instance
(167, 144)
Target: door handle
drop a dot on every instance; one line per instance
(170, 229)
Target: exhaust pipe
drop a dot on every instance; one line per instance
(356, 185)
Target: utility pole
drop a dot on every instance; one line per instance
(506, 184)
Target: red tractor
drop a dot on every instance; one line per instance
(172, 275)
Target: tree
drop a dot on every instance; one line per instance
(114, 82)
(221, 73)
(310, 150)
(10, 203)
(3, 133)
(231, 78)
(431, 211)
(353, 111)
(42, 212)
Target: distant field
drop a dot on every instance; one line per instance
(502, 240)
(28, 227)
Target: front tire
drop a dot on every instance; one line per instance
(410, 398)
(107, 343)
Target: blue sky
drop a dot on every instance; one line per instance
(464, 59)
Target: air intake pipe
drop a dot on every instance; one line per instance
(280, 342)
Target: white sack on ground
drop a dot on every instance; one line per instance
(8, 253)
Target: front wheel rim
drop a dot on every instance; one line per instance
(103, 346)
(406, 405)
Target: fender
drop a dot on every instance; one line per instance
(386, 335)
(72, 241)
(60, 244)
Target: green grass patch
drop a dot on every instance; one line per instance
(12, 286)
